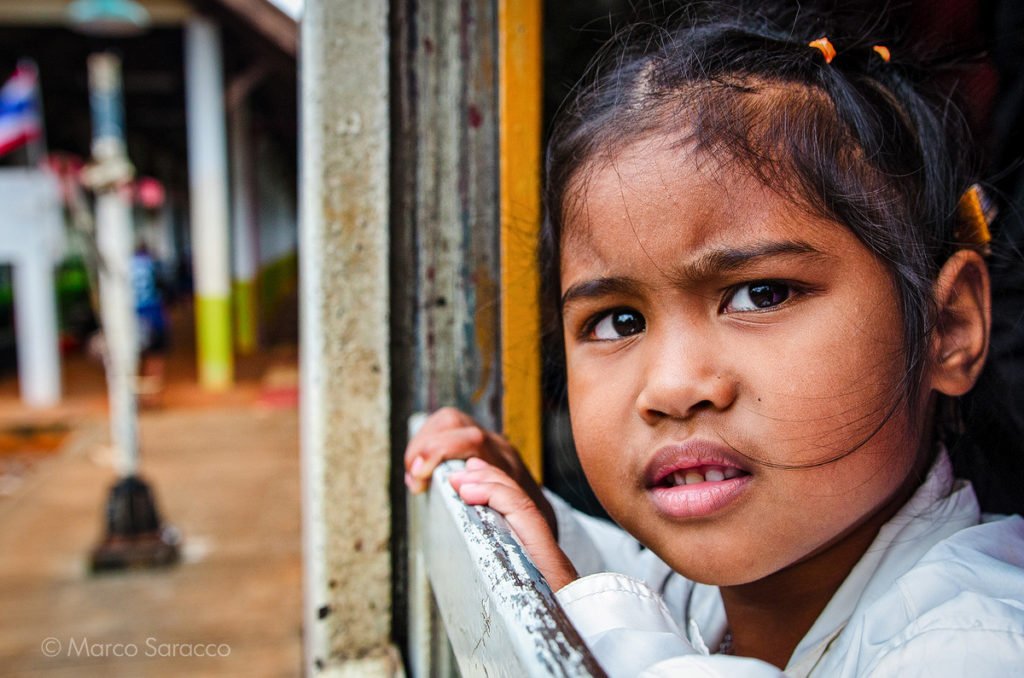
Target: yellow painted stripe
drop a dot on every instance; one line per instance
(519, 29)
(213, 338)
(244, 296)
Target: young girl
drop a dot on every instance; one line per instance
(769, 298)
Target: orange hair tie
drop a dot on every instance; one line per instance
(882, 51)
(824, 46)
(975, 212)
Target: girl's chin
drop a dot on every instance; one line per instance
(716, 556)
(721, 572)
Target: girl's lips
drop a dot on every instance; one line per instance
(698, 500)
(695, 479)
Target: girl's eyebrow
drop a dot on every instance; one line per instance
(597, 287)
(717, 261)
(726, 260)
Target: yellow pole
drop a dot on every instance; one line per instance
(519, 30)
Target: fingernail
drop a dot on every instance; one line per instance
(475, 462)
(409, 481)
(417, 466)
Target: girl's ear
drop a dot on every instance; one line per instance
(960, 338)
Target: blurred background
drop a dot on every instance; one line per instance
(208, 124)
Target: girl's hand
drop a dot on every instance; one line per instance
(451, 434)
(483, 484)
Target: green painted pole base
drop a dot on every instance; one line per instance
(213, 338)
(244, 297)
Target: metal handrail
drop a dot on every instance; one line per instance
(500, 615)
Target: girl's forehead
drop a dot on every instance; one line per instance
(656, 188)
(655, 213)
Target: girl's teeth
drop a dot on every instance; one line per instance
(713, 474)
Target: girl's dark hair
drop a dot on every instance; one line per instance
(872, 144)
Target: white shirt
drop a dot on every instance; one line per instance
(940, 592)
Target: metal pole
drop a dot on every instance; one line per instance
(134, 536)
(114, 243)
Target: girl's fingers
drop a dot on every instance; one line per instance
(477, 464)
(511, 502)
(426, 451)
(493, 488)
(524, 484)
(439, 423)
(434, 447)
(477, 470)
(451, 434)
(446, 418)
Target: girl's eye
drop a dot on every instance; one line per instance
(757, 295)
(622, 322)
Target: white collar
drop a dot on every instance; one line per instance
(940, 507)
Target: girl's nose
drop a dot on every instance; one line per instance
(683, 378)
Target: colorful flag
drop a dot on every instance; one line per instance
(20, 120)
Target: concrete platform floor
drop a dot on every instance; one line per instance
(225, 471)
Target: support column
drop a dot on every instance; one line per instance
(31, 234)
(208, 196)
(243, 232)
(36, 326)
(346, 403)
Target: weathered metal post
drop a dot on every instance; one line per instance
(134, 535)
(114, 242)
(445, 226)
